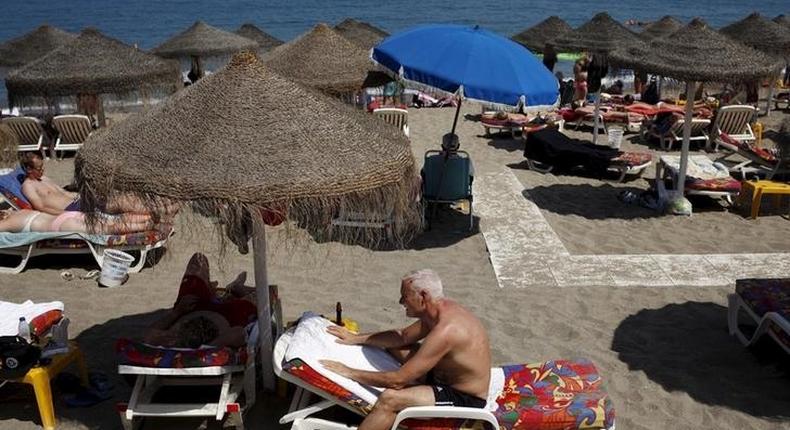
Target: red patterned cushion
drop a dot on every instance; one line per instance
(141, 354)
(767, 295)
(718, 184)
(763, 153)
(14, 199)
(132, 239)
(554, 395)
(632, 159)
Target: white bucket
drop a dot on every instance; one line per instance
(115, 266)
(615, 137)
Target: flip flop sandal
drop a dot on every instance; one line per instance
(85, 398)
(93, 274)
(100, 382)
(66, 275)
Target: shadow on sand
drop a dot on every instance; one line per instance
(686, 347)
(75, 261)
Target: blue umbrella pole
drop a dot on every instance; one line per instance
(455, 120)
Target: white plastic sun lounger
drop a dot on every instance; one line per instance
(29, 130)
(72, 132)
(394, 116)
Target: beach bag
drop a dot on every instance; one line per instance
(17, 356)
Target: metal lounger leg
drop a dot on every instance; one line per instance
(22, 264)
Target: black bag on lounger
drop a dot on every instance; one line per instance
(551, 147)
(17, 356)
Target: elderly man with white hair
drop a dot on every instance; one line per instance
(445, 354)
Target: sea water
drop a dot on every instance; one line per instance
(148, 23)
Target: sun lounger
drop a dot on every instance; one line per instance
(560, 394)
(704, 177)
(11, 188)
(32, 244)
(29, 131)
(510, 124)
(768, 161)
(630, 121)
(734, 121)
(232, 370)
(72, 130)
(767, 303)
(549, 150)
(699, 132)
(394, 116)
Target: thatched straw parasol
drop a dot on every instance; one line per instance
(266, 41)
(24, 49)
(246, 139)
(322, 59)
(92, 64)
(760, 33)
(663, 27)
(8, 147)
(601, 34)
(782, 20)
(361, 33)
(697, 53)
(203, 40)
(536, 37)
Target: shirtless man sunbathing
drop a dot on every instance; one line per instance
(25, 220)
(47, 196)
(203, 316)
(450, 367)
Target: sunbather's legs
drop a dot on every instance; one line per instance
(393, 401)
(126, 223)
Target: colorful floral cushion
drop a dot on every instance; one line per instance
(554, 395)
(767, 295)
(716, 184)
(134, 353)
(15, 199)
(766, 154)
(132, 239)
(632, 159)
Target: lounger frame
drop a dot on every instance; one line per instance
(623, 171)
(300, 410)
(26, 252)
(736, 303)
(73, 130)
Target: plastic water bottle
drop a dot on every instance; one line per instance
(24, 329)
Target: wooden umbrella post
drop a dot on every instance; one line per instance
(684, 153)
(266, 345)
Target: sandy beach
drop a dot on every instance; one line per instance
(663, 352)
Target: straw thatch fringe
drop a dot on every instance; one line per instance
(322, 59)
(760, 33)
(698, 53)
(601, 34)
(663, 27)
(245, 140)
(201, 39)
(782, 20)
(39, 42)
(8, 147)
(266, 42)
(92, 64)
(536, 37)
(361, 33)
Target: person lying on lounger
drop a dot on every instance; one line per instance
(202, 316)
(450, 367)
(26, 220)
(47, 196)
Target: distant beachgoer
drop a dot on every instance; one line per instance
(616, 88)
(549, 57)
(202, 316)
(26, 220)
(580, 79)
(195, 71)
(640, 80)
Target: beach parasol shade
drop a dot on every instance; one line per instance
(536, 37)
(322, 59)
(760, 33)
(782, 20)
(202, 40)
(600, 34)
(24, 49)
(663, 27)
(696, 52)
(361, 33)
(247, 138)
(266, 41)
(92, 63)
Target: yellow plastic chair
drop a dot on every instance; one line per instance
(758, 188)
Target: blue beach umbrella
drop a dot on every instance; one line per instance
(470, 63)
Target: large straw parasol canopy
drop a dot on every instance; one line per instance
(201, 40)
(322, 59)
(782, 20)
(760, 33)
(697, 53)
(601, 34)
(361, 33)
(39, 42)
(266, 41)
(92, 63)
(248, 139)
(663, 27)
(536, 37)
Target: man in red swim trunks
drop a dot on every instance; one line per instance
(201, 316)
